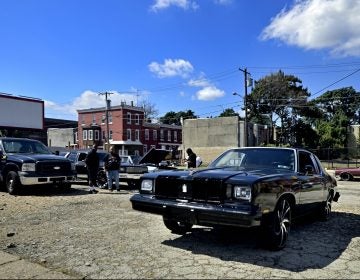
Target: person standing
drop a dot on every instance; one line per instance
(92, 165)
(112, 166)
(191, 160)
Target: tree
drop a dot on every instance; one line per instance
(150, 111)
(228, 113)
(277, 97)
(175, 118)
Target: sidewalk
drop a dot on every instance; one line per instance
(13, 267)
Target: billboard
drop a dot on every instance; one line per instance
(21, 112)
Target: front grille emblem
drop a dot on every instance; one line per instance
(57, 167)
(184, 188)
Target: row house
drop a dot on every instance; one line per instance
(126, 129)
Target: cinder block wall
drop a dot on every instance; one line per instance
(208, 138)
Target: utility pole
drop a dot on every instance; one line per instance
(245, 106)
(107, 108)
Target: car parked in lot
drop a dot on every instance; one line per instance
(77, 157)
(263, 187)
(132, 168)
(26, 162)
(347, 174)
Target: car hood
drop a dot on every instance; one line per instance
(226, 174)
(155, 156)
(36, 157)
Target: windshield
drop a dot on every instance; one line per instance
(257, 158)
(24, 146)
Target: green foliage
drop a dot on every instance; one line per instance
(175, 118)
(228, 113)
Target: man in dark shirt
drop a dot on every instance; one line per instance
(92, 164)
(191, 160)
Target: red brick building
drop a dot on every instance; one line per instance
(128, 130)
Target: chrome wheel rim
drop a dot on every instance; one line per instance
(283, 221)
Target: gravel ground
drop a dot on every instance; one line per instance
(95, 236)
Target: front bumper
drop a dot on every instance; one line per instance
(128, 177)
(29, 179)
(199, 213)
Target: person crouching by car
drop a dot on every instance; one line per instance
(112, 165)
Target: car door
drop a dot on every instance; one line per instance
(311, 180)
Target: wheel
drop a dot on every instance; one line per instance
(346, 177)
(12, 183)
(176, 226)
(325, 209)
(276, 227)
(101, 179)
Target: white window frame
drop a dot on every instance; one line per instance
(146, 134)
(84, 134)
(97, 135)
(155, 134)
(137, 135)
(169, 135)
(128, 117)
(145, 149)
(137, 119)
(90, 135)
(175, 136)
(111, 135)
(128, 134)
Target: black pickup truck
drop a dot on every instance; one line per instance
(27, 162)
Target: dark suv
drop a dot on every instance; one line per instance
(26, 162)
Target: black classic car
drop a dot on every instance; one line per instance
(259, 187)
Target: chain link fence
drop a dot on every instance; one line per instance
(338, 157)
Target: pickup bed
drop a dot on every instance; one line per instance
(26, 162)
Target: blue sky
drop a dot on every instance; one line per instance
(175, 54)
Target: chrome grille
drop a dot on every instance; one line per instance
(49, 168)
(197, 189)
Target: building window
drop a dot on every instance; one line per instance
(90, 136)
(161, 135)
(146, 134)
(93, 118)
(137, 119)
(82, 119)
(84, 134)
(128, 133)
(76, 137)
(175, 136)
(169, 135)
(145, 149)
(136, 152)
(154, 135)
(103, 118)
(96, 135)
(128, 118)
(111, 135)
(137, 135)
(103, 135)
(110, 117)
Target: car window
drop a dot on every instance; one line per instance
(257, 157)
(306, 159)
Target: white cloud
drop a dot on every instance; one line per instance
(319, 24)
(164, 4)
(209, 93)
(88, 99)
(171, 68)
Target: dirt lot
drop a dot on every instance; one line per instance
(100, 236)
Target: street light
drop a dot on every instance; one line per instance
(245, 119)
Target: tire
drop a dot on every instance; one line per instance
(12, 183)
(276, 227)
(325, 209)
(65, 186)
(176, 226)
(101, 179)
(346, 177)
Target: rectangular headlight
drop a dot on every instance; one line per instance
(147, 185)
(28, 167)
(242, 192)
